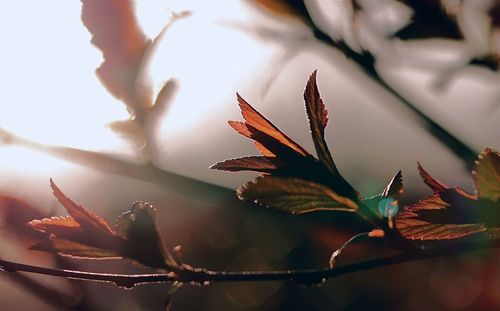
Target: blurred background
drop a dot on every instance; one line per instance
(392, 74)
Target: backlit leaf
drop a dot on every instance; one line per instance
(89, 221)
(435, 185)
(318, 120)
(435, 219)
(294, 195)
(72, 249)
(452, 212)
(486, 175)
(257, 121)
(282, 157)
(83, 234)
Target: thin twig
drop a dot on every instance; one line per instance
(306, 276)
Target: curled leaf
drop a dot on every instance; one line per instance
(138, 226)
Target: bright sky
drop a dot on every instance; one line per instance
(51, 95)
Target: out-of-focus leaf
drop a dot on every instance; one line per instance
(83, 234)
(452, 213)
(130, 130)
(430, 20)
(138, 226)
(435, 185)
(294, 195)
(14, 214)
(293, 8)
(486, 175)
(116, 32)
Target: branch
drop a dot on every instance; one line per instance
(201, 276)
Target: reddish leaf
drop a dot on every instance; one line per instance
(62, 227)
(294, 195)
(116, 33)
(318, 120)
(73, 249)
(454, 213)
(486, 175)
(284, 157)
(434, 219)
(435, 185)
(257, 121)
(89, 221)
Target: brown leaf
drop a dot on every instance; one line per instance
(89, 221)
(116, 32)
(486, 175)
(257, 121)
(252, 163)
(294, 195)
(435, 185)
(62, 227)
(433, 218)
(145, 244)
(318, 120)
(285, 158)
(452, 212)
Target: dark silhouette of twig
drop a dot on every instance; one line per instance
(204, 276)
